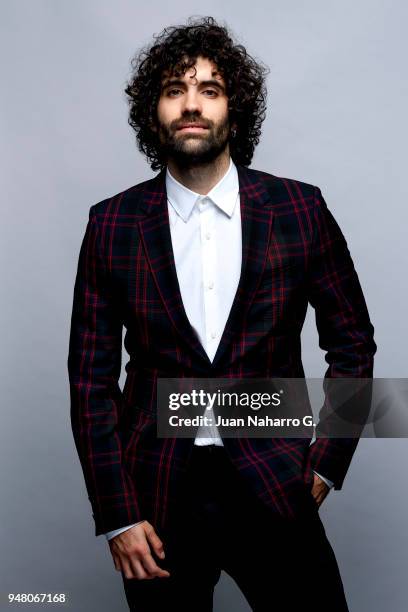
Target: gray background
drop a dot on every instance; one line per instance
(336, 118)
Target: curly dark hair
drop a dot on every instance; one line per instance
(176, 50)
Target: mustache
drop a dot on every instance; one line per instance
(175, 125)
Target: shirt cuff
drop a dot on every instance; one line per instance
(326, 480)
(111, 534)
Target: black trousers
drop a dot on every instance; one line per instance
(280, 565)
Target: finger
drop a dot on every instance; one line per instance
(154, 540)
(126, 570)
(152, 568)
(116, 561)
(317, 497)
(137, 569)
(320, 498)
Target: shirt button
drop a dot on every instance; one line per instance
(213, 334)
(211, 285)
(208, 235)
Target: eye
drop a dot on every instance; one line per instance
(211, 91)
(171, 91)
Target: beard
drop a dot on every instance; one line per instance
(189, 150)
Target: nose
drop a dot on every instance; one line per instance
(191, 101)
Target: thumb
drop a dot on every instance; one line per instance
(154, 540)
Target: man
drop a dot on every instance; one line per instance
(210, 267)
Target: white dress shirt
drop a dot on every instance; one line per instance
(207, 245)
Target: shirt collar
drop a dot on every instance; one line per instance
(223, 194)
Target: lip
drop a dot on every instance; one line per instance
(192, 128)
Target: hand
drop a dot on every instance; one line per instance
(132, 554)
(319, 489)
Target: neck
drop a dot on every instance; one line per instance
(203, 177)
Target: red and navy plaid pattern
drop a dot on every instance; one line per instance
(294, 253)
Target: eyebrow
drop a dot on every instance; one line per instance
(206, 83)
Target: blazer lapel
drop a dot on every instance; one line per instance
(156, 237)
(256, 221)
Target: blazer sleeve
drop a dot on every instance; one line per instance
(344, 328)
(94, 365)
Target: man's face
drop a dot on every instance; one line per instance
(192, 115)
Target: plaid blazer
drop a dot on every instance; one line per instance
(293, 253)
